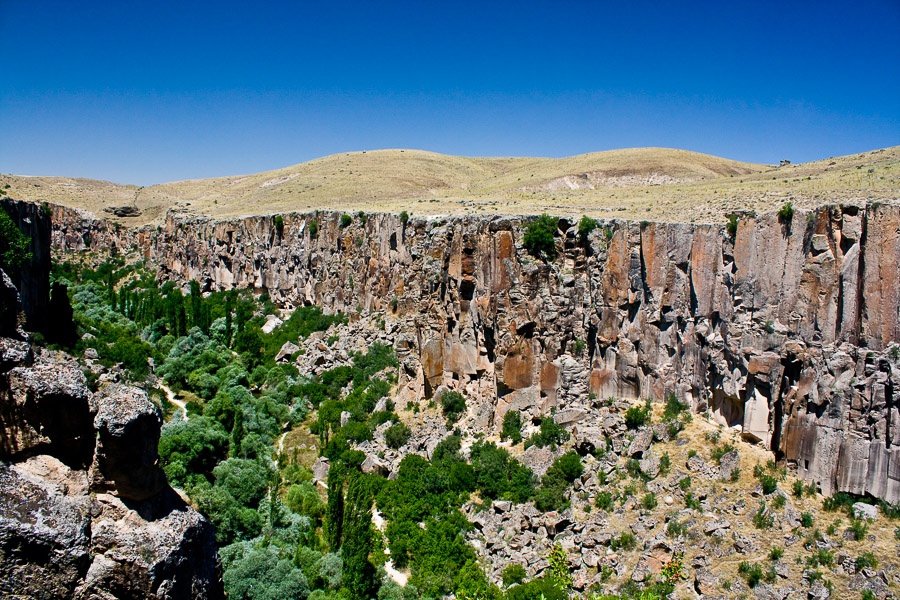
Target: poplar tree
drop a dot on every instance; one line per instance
(359, 574)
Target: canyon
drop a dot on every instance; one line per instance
(785, 330)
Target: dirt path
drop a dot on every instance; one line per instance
(170, 396)
(399, 577)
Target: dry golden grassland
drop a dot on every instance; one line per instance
(641, 183)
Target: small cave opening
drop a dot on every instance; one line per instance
(393, 241)
(467, 289)
(591, 342)
(527, 329)
(490, 343)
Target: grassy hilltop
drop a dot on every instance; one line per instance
(639, 183)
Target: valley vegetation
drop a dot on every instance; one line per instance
(282, 534)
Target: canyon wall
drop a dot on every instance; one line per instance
(788, 331)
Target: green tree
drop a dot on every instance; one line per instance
(334, 516)
(13, 244)
(303, 498)
(252, 573)
(512, 427)
(539, 237)
(585, 226)
(453, 404)
(246, 480)
(397, 435)
(191, 447)
(359, 574)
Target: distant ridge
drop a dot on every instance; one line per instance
(646, 183)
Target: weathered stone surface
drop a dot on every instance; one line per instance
(865, 511)
(764, 331)
(45, 408)
(128, 429)
(729, 463)
(320, 469)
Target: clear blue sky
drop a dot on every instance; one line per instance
(144, 92)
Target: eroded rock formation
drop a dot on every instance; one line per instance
(85, 511)
(788, 332)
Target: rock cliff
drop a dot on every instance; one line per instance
(85, 511)
(788, 331)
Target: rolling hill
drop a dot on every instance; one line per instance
(645, 183)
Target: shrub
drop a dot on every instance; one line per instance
(566, 468)
(797, 489)
(674, 528)
(858, 528)
(719, 451)
(732, 225)
(279, 224)
(665, 464)
(806, 519)
(550, 434)
(769, 484)
(539, 237)
(313, 229)
(762, 518)
(840, 500)
(513, 574)
(453, 404)
(633, 467)
(397, 435)
(648, 502)
(551, 497)
(674, 408)
(404, 218)
(776, 553)
(625, 541)
(346, 220)
(542, 587)
(585, 226)
(752, 573)
(866, 560)
(512, 427)
(604, 501)
(786, 212)
(560, 573)
(691, 502)
(638, 416)
(779, 501)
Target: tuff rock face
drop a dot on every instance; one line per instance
(85, 511)
(84, 508)
(788, 332)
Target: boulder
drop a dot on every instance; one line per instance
(640, 443)
(728, 464)
(128, 430)
(862, 510)
(288, 349)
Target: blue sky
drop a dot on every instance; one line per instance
(146, 92)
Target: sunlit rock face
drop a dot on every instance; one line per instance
(788, 331)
